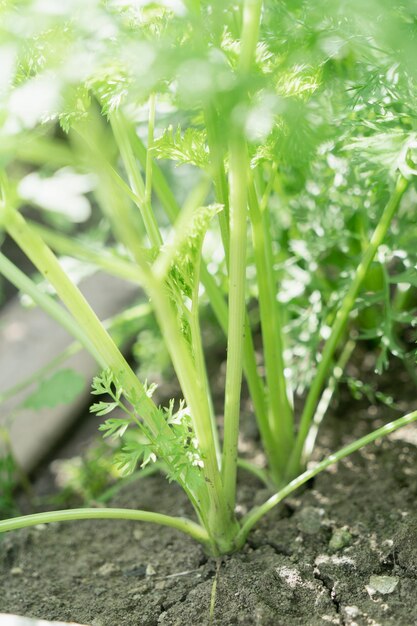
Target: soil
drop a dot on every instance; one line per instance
(342, 552)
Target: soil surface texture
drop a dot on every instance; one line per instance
(343, 551)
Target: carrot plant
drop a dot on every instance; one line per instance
(293, 137)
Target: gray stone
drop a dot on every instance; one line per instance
(29, 340)
(382, 584)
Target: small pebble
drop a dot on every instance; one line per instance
(16, 571)
(107, 570)
(382, 584)
(150, 570)
(351, 611)
(309, 520)
(340, 539)
(138, 534)
(160, 585)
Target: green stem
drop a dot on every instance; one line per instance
(184, 525)
(326, 398)
(218, 518)
(149, 160)
(340, 322)
(282, 421)
(236, 326)
(159, 182)
(256, 389)
(199, 359)
(238, 177)
(122, 136)
(215, 510)
(250, 34)
(219, 175)
(257, 513)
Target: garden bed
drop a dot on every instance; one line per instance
(341, 552)
(260, 163)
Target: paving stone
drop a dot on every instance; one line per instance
(29, 339)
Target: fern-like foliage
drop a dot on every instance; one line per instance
(184, 268)
(179, 452)
(183, 147)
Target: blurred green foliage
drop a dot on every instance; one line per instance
(329, 105)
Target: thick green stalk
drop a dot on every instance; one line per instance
(250, 33)
(214, 510)
(236, 326)
(257, 513)
(282, 421)
(256, 390)
(179, 523)
(340, 322)
(238, 177)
